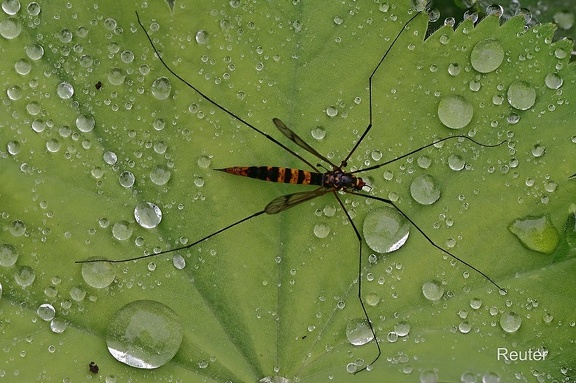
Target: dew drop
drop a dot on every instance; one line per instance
(13, 147)
(85, 123)
(204, 162)
(53, 145)
(147, 215)
(126, 179)
(46, 312)
(35, 52)
(385, 230)
(425, 190)
(538, 150)
(25, 276)
(10, 28)
(116, 76)
(98, 274)
(17, 228)
(358, 332)
(121, 230)
(144, 334)
(432, 290)
(455, 112)
(319, 132)
(65, 90)
(331, 111)
(536, 233)
(58, 325)
(454, 69)
(160, 175)
(521, 95)
(487, 55)
(8, 255)
(510, 322)
(553, 81)
(161, 88)
(402, 328)
(321, 230)
(456, 162)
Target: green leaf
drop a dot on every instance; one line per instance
(269, 298)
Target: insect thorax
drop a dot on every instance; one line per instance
(341, 180)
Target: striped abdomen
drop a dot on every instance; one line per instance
(277, 174)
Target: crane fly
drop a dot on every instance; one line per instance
(333, 181)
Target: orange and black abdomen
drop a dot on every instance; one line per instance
(277, 174)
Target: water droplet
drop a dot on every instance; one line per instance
(321, 230)
(455, 112)
(144, 334)
(425, 190)
(432, 290)
(58, 325)
(553, 81)
(85, 123)
(110, 157)
(318, 132)
(464, 327)
(204, 162)
(487, 55)
(402, 328)
(126, 179)
(147, 215)
(331, 111)
(121, 230)
(116, 76)
(456, 162)
(372, 299)
(161, 88)
(160, 175)
(33, 9)
(25, 276)
(46, 312)
(475, 303)
(14, 92)
(510, 322)
(10, 28)
(385, 230)
(454, 69)
(98, 274)
(521, 95)
(8, 255)
(358, 332)
(65, 90)
(53, 145)
(536, 233)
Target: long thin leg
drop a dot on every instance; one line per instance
(230, 113)
(428, 238)
(424, 147)
(360, 282)
(178, 248)
(370, 88)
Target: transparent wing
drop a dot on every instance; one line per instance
(299, 141)
(287, 201)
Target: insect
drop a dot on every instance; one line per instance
(333, 181)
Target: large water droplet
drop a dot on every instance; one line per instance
(521, 95)
(358, 332)
(144, 334)
(455, 112)
(10, 28)
(161, 88)
(98, 274)
(487, 55)
(402, 328)
(46, 311)
(121, 230)
(385, 230)
(25, 276)
(147, 215)
(202, 36)
(8, 255)
(425, 190)
(160, 175)
(553, 81)
(510, 322)
(432, 290)
(536, 233)
(65, 90)
(85, 123)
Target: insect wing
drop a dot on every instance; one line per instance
(287, 201)
(298, 141)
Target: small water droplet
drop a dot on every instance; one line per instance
(510, 322)
(487, 55)
(425, 190)
(536, 233)
(126, 179)
(204, 161)
(385, 230)
(161, 88)
(144, 334)
(116, 76)
(321, 230)
(122, 230)
(98, 274)
(475, 303)
(358, 332)
(553, 81)
(331, 111)
(402, 328)
(147, 215)
(65, 90)
(432, 290)
(456, 162)
(85, 123)
(521, 95)
(455, 112)
(454, 69)
(318, 132)
(46, 312)
(202, 36)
